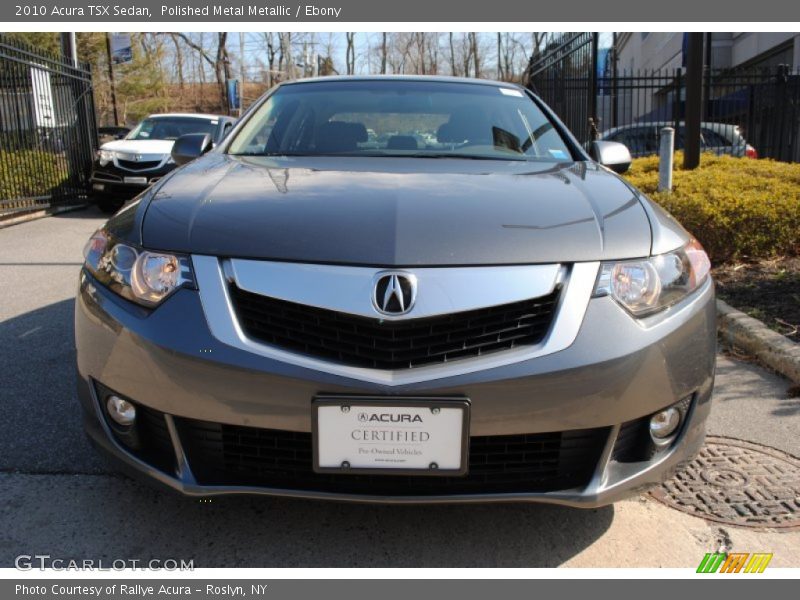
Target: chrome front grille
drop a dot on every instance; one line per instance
(392, 344)
(235, 292)
(132, 165)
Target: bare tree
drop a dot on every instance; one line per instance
(538, 38)
(351, 53)
(286, 59)
(512, 56)
(178, 61)
(453, 70)
(419, 51)
(197, 65)
(222, 66)
(219, 64)
(405, 52)
(330, 48)
(499, 55)
(269, 41)
(466, 54)
(433, 53)
(201, 72)
(475, 52)
(383, 53)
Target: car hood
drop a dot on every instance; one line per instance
(144, 147)
(396, 211)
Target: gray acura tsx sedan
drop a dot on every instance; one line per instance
(397, 289)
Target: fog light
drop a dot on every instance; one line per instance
(664, 423)
(121, 411)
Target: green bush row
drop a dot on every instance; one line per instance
(30, 173)
(739, 208)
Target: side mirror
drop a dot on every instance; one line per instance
(190, 146)
(613, 155)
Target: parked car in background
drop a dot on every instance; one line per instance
(466, 307)
(642, 139)
(123, 168)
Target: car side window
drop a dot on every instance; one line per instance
(713, 139)
(630, 138)
(640, 140)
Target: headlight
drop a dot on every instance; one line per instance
(141, 276)
(649, 285)
(105, 157)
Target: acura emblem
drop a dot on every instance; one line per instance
(137, 157)
(394, 293)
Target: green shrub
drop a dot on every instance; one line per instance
(739, 208)
(30, 173)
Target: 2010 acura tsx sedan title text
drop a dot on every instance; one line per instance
(397, 290)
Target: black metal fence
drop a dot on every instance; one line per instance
(48, 133)
(565, 76)
(745, 111)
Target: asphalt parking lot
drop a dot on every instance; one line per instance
(58, 498)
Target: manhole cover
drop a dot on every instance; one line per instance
(738, 483)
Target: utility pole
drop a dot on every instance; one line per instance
(69, 48)
(241, 73)
(85, 141)
(111, 78)
(614, 81)
(707, 87)
(594, 124)
(694, 100)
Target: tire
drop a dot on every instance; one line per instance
(109, 204)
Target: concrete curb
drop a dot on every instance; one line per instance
(39, 214)
(751, 335)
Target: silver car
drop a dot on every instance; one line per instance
(642, 139)
(462, 307)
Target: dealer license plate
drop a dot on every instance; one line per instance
(401, 435)
(136, 180)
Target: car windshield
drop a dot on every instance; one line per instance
(171, 128)
(427, 119)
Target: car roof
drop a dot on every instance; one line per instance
(713, 126)
(427, 78)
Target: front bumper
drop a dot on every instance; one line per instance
(110, 180)
(618, 370)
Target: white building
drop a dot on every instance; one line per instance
(643, 50)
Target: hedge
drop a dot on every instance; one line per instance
(30, 173)
(739, 208)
